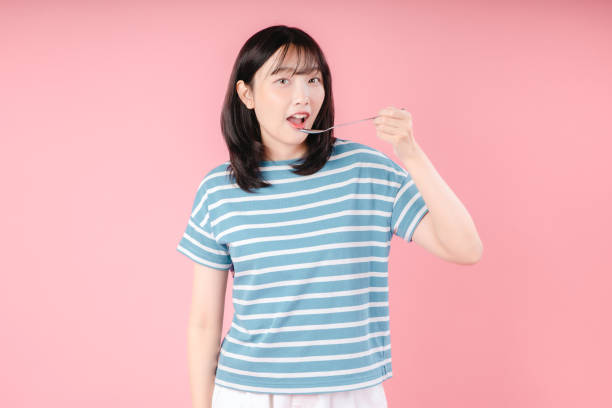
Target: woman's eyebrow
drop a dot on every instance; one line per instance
(289, 69)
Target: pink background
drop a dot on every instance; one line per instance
(110, 118)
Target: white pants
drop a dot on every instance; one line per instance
(370, 397)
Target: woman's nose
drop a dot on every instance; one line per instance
(302, 99)
(302, 94)
(301, 90)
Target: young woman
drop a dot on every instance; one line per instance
(304, 222)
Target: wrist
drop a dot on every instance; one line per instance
(410, 154)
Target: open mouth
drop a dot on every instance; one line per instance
(297, 121)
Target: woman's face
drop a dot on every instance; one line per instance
(276, 97)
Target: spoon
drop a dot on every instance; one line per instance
(313, 131)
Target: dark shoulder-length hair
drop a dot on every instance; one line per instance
(239, 124)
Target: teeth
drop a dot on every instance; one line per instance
(299, 116)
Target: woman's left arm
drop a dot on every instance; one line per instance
(451, 223)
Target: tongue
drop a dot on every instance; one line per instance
(294, 120)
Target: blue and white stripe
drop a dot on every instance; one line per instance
(310, 261)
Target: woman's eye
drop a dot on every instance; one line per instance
(285, 79)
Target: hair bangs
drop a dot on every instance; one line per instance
(312, 62)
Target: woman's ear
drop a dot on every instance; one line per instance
(245, 94)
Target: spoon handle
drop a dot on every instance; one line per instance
(360, 120)
(311, 131)
(355, 121)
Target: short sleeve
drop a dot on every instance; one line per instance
(198, 241)
(408, 208)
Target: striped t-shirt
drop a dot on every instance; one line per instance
(309, 256)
